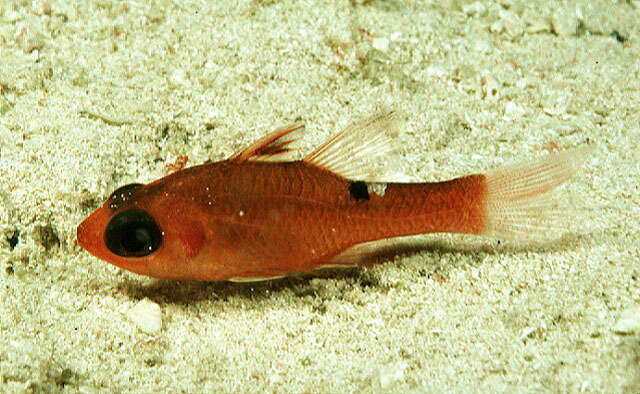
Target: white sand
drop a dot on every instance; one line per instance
(98, 95)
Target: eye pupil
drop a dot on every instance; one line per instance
(133, 233)
(138, 239)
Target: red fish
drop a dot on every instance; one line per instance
(260, 215)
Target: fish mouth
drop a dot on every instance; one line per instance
(88, 233)
(82, 234)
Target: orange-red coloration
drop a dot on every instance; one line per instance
(251, 217)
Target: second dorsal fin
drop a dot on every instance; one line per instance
(350, 153)
(275, 146)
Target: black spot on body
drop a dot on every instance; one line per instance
(358, 190)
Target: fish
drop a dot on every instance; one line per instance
(263, 214)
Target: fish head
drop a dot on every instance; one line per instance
(139, 229)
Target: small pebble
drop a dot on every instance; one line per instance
(629, 321)
(513, 25)
(381, 44)
(275, 379)
(339, 36)
(527, 332)
(554, 110)
(538, 26)
(11, 16)
(179, 79)
(490, 87)
(497, 26)
(523, 83)
(435, 71)
(475, 9)
(30, 39)
(513, 110)
(565, 23)
(45, 7)
(147, 316)
(390, 375)
(482, 46)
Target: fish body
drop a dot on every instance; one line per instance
(255, 216)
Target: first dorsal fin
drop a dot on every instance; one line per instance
(350, 153)
(275, 146)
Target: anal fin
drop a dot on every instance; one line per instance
(241, 279)
(364, 253)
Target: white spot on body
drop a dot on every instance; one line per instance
(377, 188)
(241, 213)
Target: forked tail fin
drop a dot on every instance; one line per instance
(522, 201)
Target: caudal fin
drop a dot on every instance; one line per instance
(523, 202)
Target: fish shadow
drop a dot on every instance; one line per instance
(302, 285)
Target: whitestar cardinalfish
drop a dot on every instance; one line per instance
(261, 215)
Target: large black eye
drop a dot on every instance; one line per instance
(133, 233)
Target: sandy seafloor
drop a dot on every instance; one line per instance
(98, 94)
